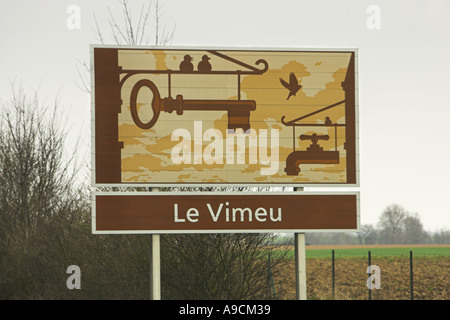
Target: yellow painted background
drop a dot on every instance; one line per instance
(146, 155)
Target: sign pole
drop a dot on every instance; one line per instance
(300, 263)
(155, 264)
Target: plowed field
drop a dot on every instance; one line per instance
(431, 278)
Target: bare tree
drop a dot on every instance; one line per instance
(442, 236)
(36, 176)
(368, 234)
(222, 266)
(391, 223)
(413, 231)
(397, 225)
(131, 31)
(129, 28)
(40, 197)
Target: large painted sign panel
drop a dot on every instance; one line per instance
(194, 116)
(221, 213)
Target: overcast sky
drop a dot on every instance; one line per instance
(404, 73)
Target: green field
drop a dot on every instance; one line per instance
(376, 251)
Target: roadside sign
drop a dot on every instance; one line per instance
(216, 116)
(214, 212)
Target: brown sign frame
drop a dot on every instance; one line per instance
(127, 213)
(107, 101)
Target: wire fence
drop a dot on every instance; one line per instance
(397, 274)
(390, 276)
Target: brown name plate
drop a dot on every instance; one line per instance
(160, 212)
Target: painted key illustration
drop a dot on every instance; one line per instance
(238, 110)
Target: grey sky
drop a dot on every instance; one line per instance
(403, 74)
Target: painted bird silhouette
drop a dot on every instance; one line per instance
(292, 86)
(204, 65)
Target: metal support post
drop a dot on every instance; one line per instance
(155, 265)
(332, 273)
(300, 266)
(300, 263)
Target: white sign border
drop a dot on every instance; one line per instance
(218, 185)
(194, 194)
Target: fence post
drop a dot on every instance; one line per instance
(332, 271)
(370, 263)
(411, 274)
